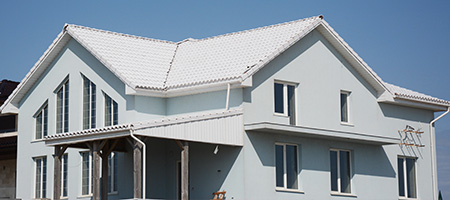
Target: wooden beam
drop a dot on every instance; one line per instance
(96, 170)
(179, 144)
(59, 151)
(137, 169)
(105, 155)
(185, 171)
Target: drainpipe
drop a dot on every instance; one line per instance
(433, 155)
(228, 97)
(143, 160)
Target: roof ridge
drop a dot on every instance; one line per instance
(259, 28)
(120, 34)
(170, 65)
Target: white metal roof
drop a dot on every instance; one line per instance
(164, 66)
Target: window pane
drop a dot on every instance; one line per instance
(93, 107)
(344, 161)
(344, 109)
(44, 177)
(86, 105)
(334, 170)
(115, 113)
(38, 178)
(66, 106)
(107, 110)
(39, 126)
(45, 120)
(115, 172)
(291, 104)
(59, 110)
(85, 173)
(411, 177)
(64, 175)
(401, 177)
(291, 167)
(279, 98)
(279, 165)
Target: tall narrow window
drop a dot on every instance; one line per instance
(40, 180)
(407, 177)
(64, 177)
(111, 111)
(345, 106)
(62, 108)
(86, 173)
(112, 172)
(89, 104)
(340, 171)
(41, 119)
(286, 160)
(284, 98)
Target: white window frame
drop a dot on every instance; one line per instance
(285, 99)
(111, 170)
(43, 182)
(62, 87)
(89, 173)
(339, 172)
(112, 116)
(64, 158)
(285, 188)
(349, 120)
(405, 179)
(92, 101)
(43, 110)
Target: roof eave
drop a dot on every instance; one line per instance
(433, 106)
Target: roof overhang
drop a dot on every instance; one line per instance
(321, 133)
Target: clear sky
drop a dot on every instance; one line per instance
(406, 42)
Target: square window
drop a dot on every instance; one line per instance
(284, 100)
(340, 171)
(286, 166)
(406, 177)
(345, 106)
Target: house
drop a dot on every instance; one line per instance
(287, 111)
(8, 144)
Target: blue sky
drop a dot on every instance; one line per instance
(406, 42)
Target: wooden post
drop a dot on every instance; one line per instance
(59, 151)
(185, 172)
(105, 171)
(137, 170)
(96, 170)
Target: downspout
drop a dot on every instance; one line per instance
(433, 155)
(143, 160)
(228, 97)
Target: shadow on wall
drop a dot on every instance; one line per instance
(372, 160)
(208, 171)
(406, 113)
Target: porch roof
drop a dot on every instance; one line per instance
(218, 127)
(321, 133)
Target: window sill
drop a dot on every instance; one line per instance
(280, 115)
(406, 198)
(37, 141)
(84, 196)
(343, 194)
(289, 190)
(347, 124)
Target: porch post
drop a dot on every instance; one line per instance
(105, 177)
(96, 170)
(59, 151)
(185, 171)
(137, 169)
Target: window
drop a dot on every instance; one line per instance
(286, 167)
(112, 172)
(89, 96)
(340, 171)
(40, 182)
(86, 173)
(284, 97)
(345, 106)
(41, 118)
(407, 177)
(64, 177)
(111, 111)
(62, 108)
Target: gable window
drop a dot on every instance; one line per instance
(111, 111)
(284, 98)
(62, 108)
(406, 177)
(86, 173)
(64, 177)
(40, 177)
(41, 121)
(89, 104)
(286, 166)
(345, 106)
(340, 171)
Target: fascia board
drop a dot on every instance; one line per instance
(33, 75)
(419, 104)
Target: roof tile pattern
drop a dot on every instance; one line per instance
(138, 60)
(413, 95)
